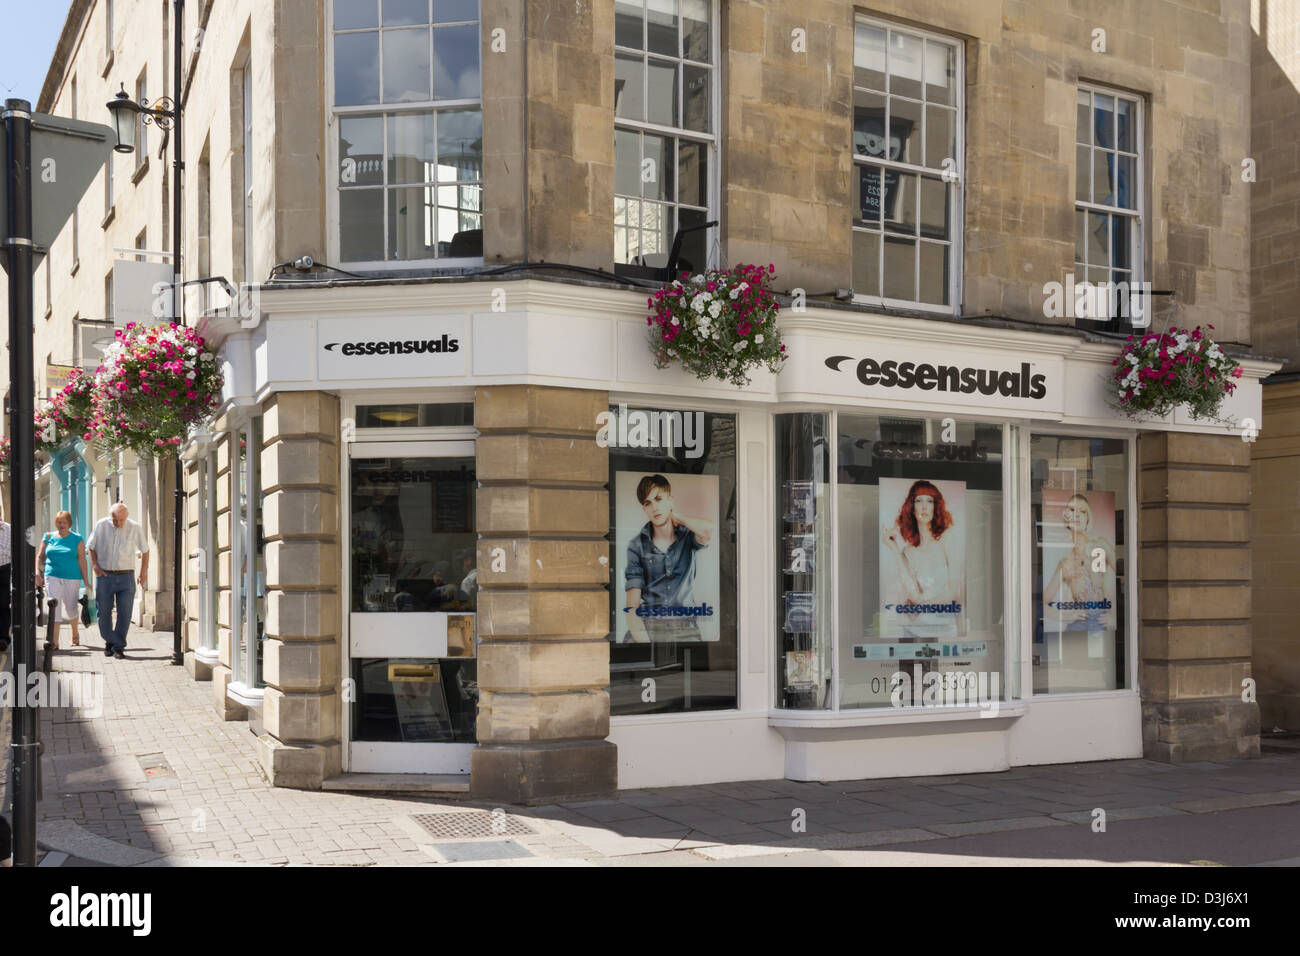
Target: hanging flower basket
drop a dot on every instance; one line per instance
(68, 414)
(1160, 371)
(155, 383)
(4, 452)
(717, 324)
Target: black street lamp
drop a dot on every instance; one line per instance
(166, 113)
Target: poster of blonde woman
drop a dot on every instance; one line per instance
(1078, 561)
(922, 558)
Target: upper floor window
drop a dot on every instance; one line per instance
(407, 105)
(1108, 244)
(665, 130)
(907, 155)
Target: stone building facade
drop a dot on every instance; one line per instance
(508, 178)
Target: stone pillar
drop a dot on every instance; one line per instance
(195, 507)
(1275, 543)
(1195, 632)
(227, 528)
(300, 512)
(543, 611)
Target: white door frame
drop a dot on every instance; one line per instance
(376, 638)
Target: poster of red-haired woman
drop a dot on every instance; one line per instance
(922, 558)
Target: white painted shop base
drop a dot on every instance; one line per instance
(687, 750)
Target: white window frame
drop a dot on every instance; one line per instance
(958, 208)
(712, 140)
(332, 115)
(1137, 215)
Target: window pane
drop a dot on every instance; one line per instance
(1103, 121)
(628, 24)
(934, 208)
(439, 414)
(1124, 133)
(695, 98)
(416, 700)
(361, 224)
(694, 255)
(900, 269)
(1082, 165)
(460, 144)
(866, 200)
(695, 31)
(460, 221)
(868, 123)
(450, 11)
(1083, 109)
(900, 202)
(940, 73)
(351, 14)
(629, 86)
(657, 173)
(919, 523)
(1120, 227)
(361, 150)
(656, 233)
(661, 27)
(1098, 247)
(1126, 194)
(1080, 236)
(627, 162)
(692, 660)
(455, 63)
(663, 92)
(406, 66)
(869, 57)
(410, 149)
(402, 13)
(904, 130)
(412, 222)
(356, 69)
(626, 237)
(866, 263)
(904, 64)
(934, 273)
(1103, 170)
(940, 136)
(1079, 500)
(692, 173)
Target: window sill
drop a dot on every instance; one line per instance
(108, 217)
(828, 720)
(140, 171)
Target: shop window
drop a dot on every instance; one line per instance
(672, 492)
(249, 559)
(1079, 499)
(907, 160)
(665, 146)
(413, 415)
(916, 542)
(407, 99)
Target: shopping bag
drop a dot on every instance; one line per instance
(85, 611)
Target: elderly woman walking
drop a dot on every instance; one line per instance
(63, 556)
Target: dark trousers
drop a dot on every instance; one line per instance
(6, 598)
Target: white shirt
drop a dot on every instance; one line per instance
(6, 547)
(115, 548)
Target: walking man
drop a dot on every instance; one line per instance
(112, 547)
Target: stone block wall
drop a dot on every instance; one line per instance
(1194, 643)
(302, 706)
(543, 612)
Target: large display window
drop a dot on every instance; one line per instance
(672, 499)
(897, 598)
(1079, 500)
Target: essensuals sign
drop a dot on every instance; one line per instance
(391, 348)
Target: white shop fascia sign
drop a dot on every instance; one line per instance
(890, 373)
(391, 348)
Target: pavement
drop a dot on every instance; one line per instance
(157, 779)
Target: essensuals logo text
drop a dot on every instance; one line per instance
(947, 378)
(397, 347)
(674, 610)
(76, 909)
(910, 608)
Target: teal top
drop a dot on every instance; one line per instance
(61, 556)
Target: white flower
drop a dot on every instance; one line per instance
(675, 321)
(698, 279)
(189, 375)
(734, 293)
(758, 339)
(743, 286)
(739, 345)
(715, 309)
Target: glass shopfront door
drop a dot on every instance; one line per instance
(413, 593)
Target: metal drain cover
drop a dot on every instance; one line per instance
(471, 823)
